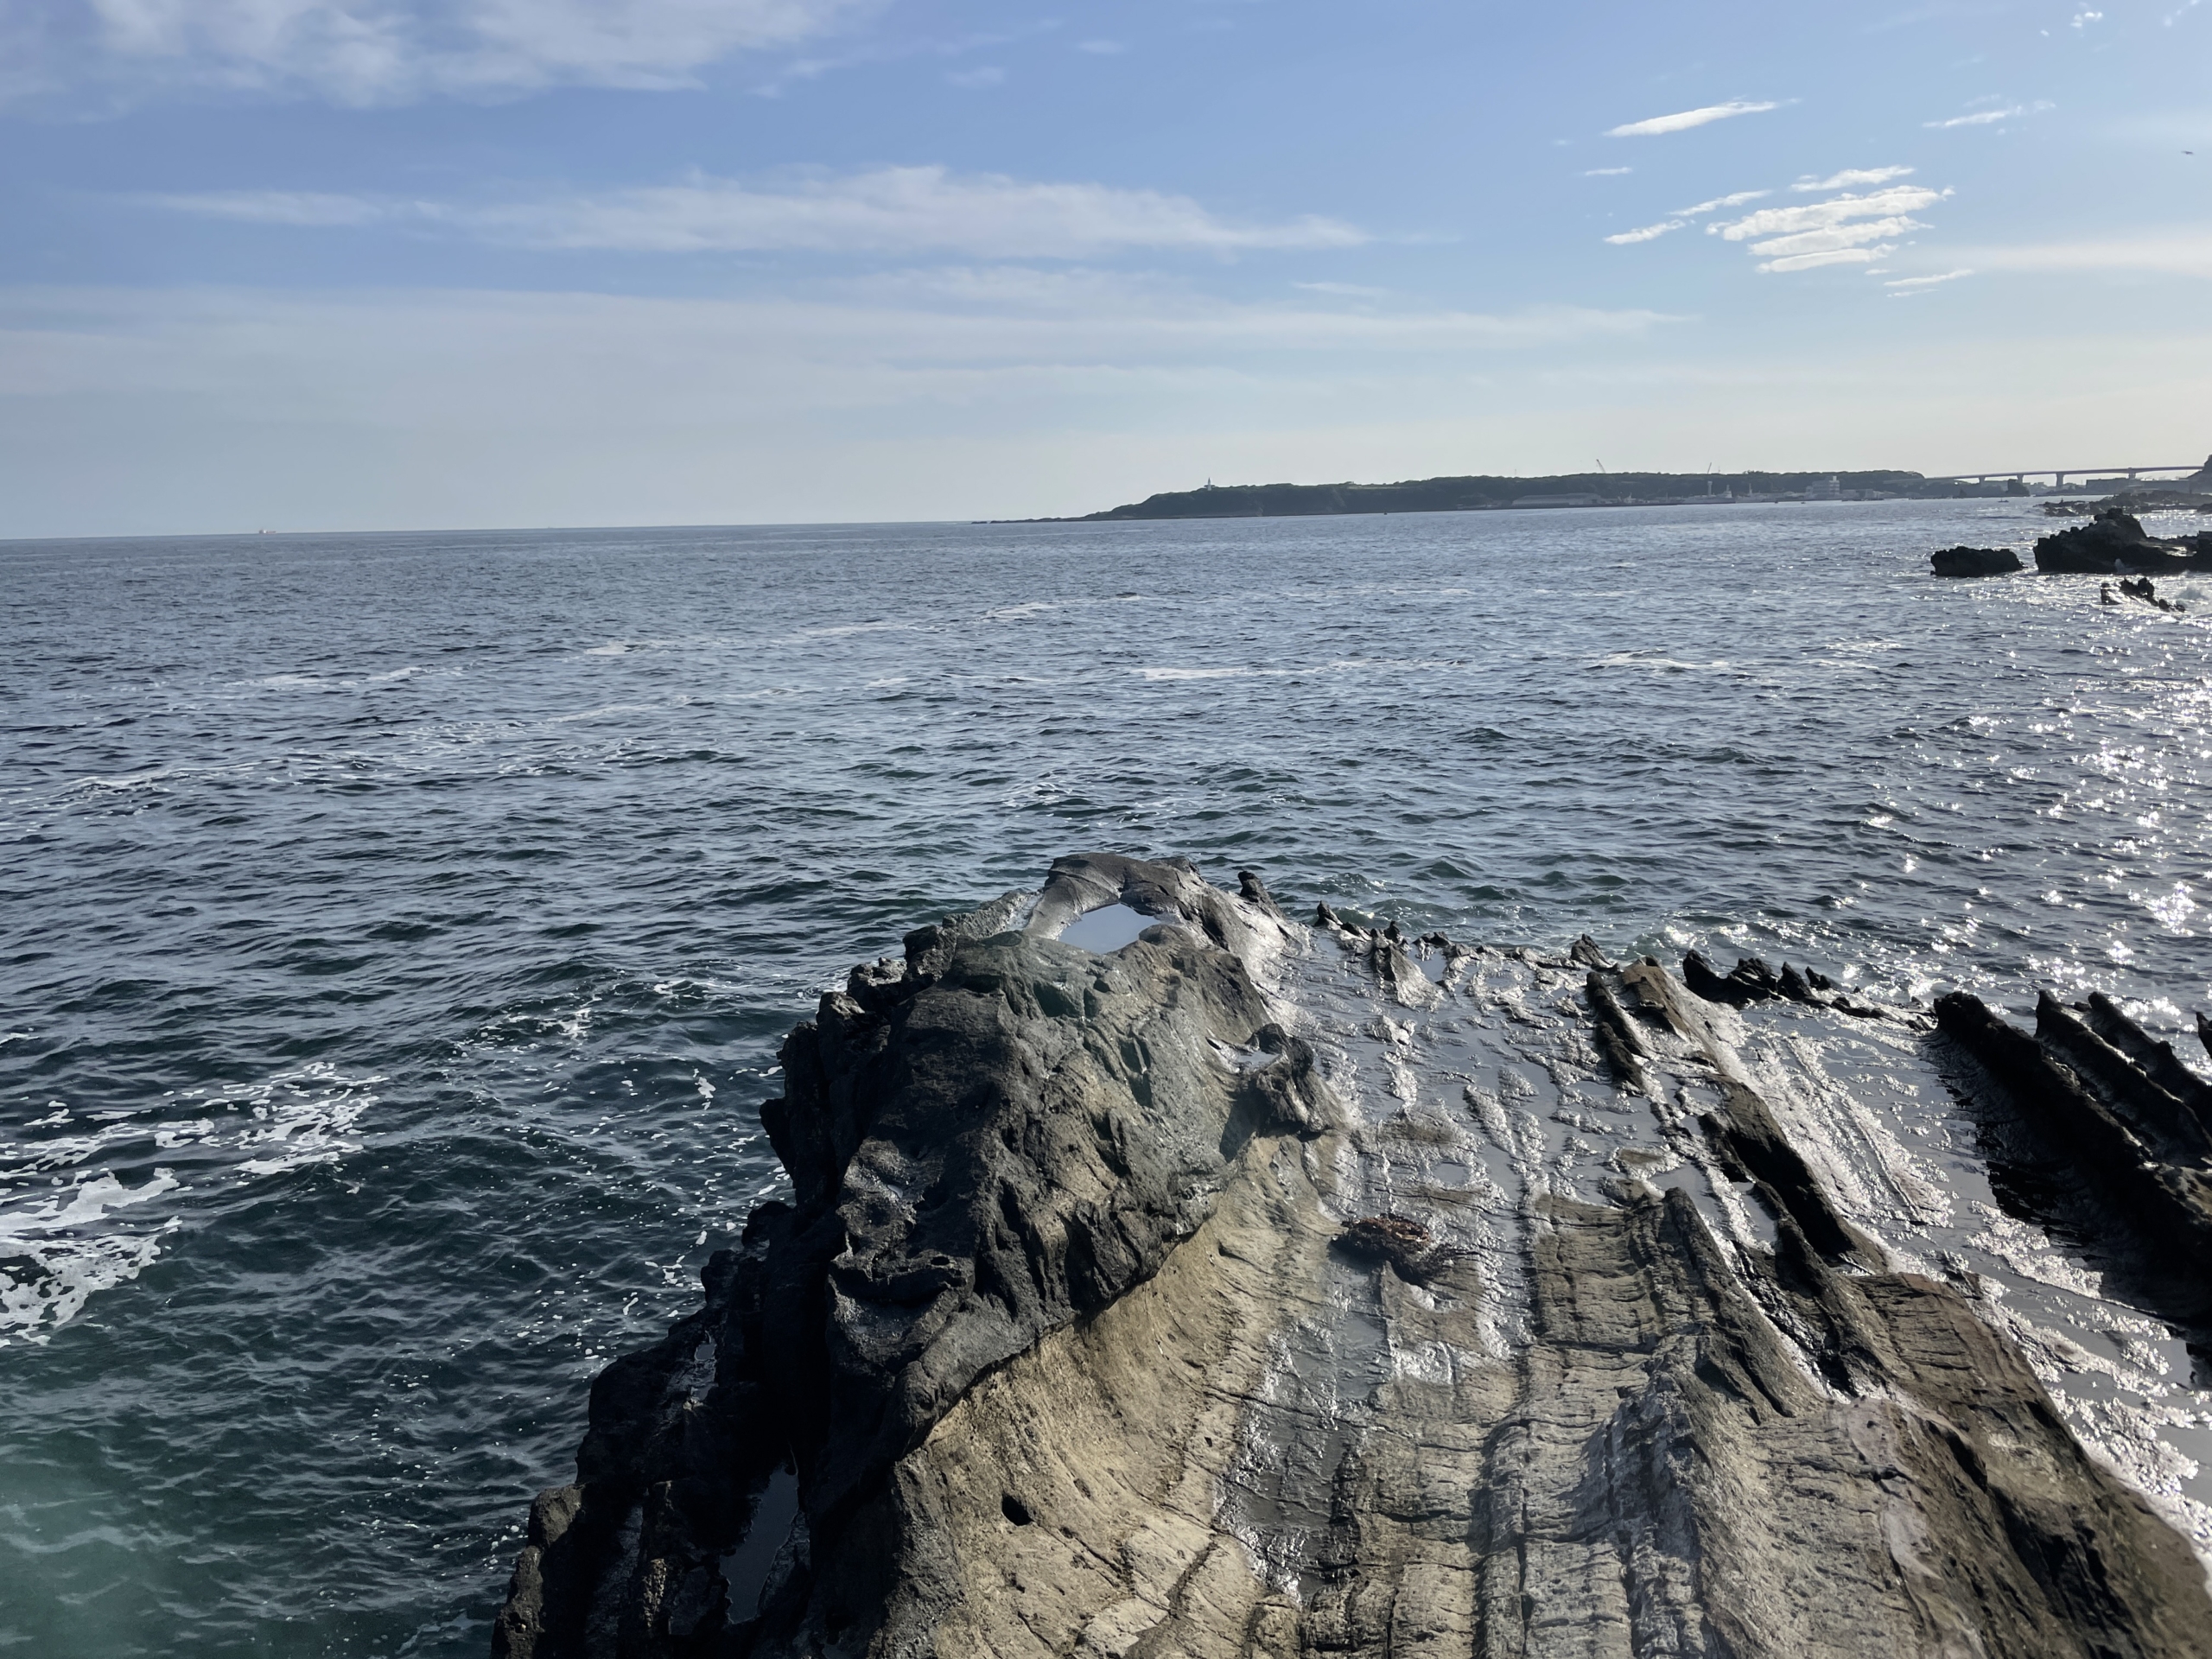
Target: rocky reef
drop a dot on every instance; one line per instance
(1211, 1283)
(2115, 542)
(1974, 561)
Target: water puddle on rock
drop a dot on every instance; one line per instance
(748, 1568)
(1107, 929)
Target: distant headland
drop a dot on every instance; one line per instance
(1479, 493)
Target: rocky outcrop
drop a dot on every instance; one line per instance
(2115, 542)
(2121, 1105)
(1129, 1304)
(1974, 561)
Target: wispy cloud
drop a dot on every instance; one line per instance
(1854, 177)
(1904, 285)
(1721, 203)
(1814, 261)
(1834, 246)
(1681, 217)
(1102, 49)
(977, 80)
(1818, 215)
(2083, 18)
(1684, 120)
(890, 210)
(1605, 172)
(378, 52)
(1988, 117)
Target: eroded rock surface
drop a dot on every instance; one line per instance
(1254, 1290)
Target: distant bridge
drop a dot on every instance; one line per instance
(2059, 474)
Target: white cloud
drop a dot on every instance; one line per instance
(1683, 215)
(1606, 172)
(374, 52)
(1852, 177)
(1720, 202)
(1989, 118)
(2083, 18)
(1817, 215)
(1838, 257)
(1829, 239)
(1916, 283)
(1683, 121)
(890, 210)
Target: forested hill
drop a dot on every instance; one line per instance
(1462, 494)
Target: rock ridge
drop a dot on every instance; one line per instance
(1156, 1301)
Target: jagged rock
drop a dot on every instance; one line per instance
(2157, 1059)
(2141, 588)
(1585, 952)
(1059, 1332)
(1407, 1246)
(2120, 1138)
(1749, 980)
(1974, 561)
(2114, 540)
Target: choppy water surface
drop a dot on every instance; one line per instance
(395, 932)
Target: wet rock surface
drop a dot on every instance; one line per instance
(1252, 1289)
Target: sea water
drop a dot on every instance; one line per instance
(396, 932)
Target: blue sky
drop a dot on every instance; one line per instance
(395, 264)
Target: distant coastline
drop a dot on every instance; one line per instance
(1479, 493)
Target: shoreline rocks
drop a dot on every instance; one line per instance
(1127, 1306)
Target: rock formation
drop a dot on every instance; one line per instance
(1154, 1302)
(1974, 561)
(2115, 542)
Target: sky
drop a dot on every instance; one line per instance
(344, 265)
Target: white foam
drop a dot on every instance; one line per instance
(86, 1228)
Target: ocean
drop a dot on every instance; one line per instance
(396, 932)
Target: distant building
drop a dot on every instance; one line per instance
(1559, 501)
(1824, 490)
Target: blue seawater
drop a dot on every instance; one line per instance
(396, 932)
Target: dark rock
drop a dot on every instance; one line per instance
(1974, 561)
(2115, 542)
(2167, 1206)
(1750, 981)
(1586, 953)
(2158, 1059)
(2167, 1126)
(1254, 891)
(1407, 1246)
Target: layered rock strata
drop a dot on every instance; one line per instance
(2094, 1084)
(1157, 1300)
